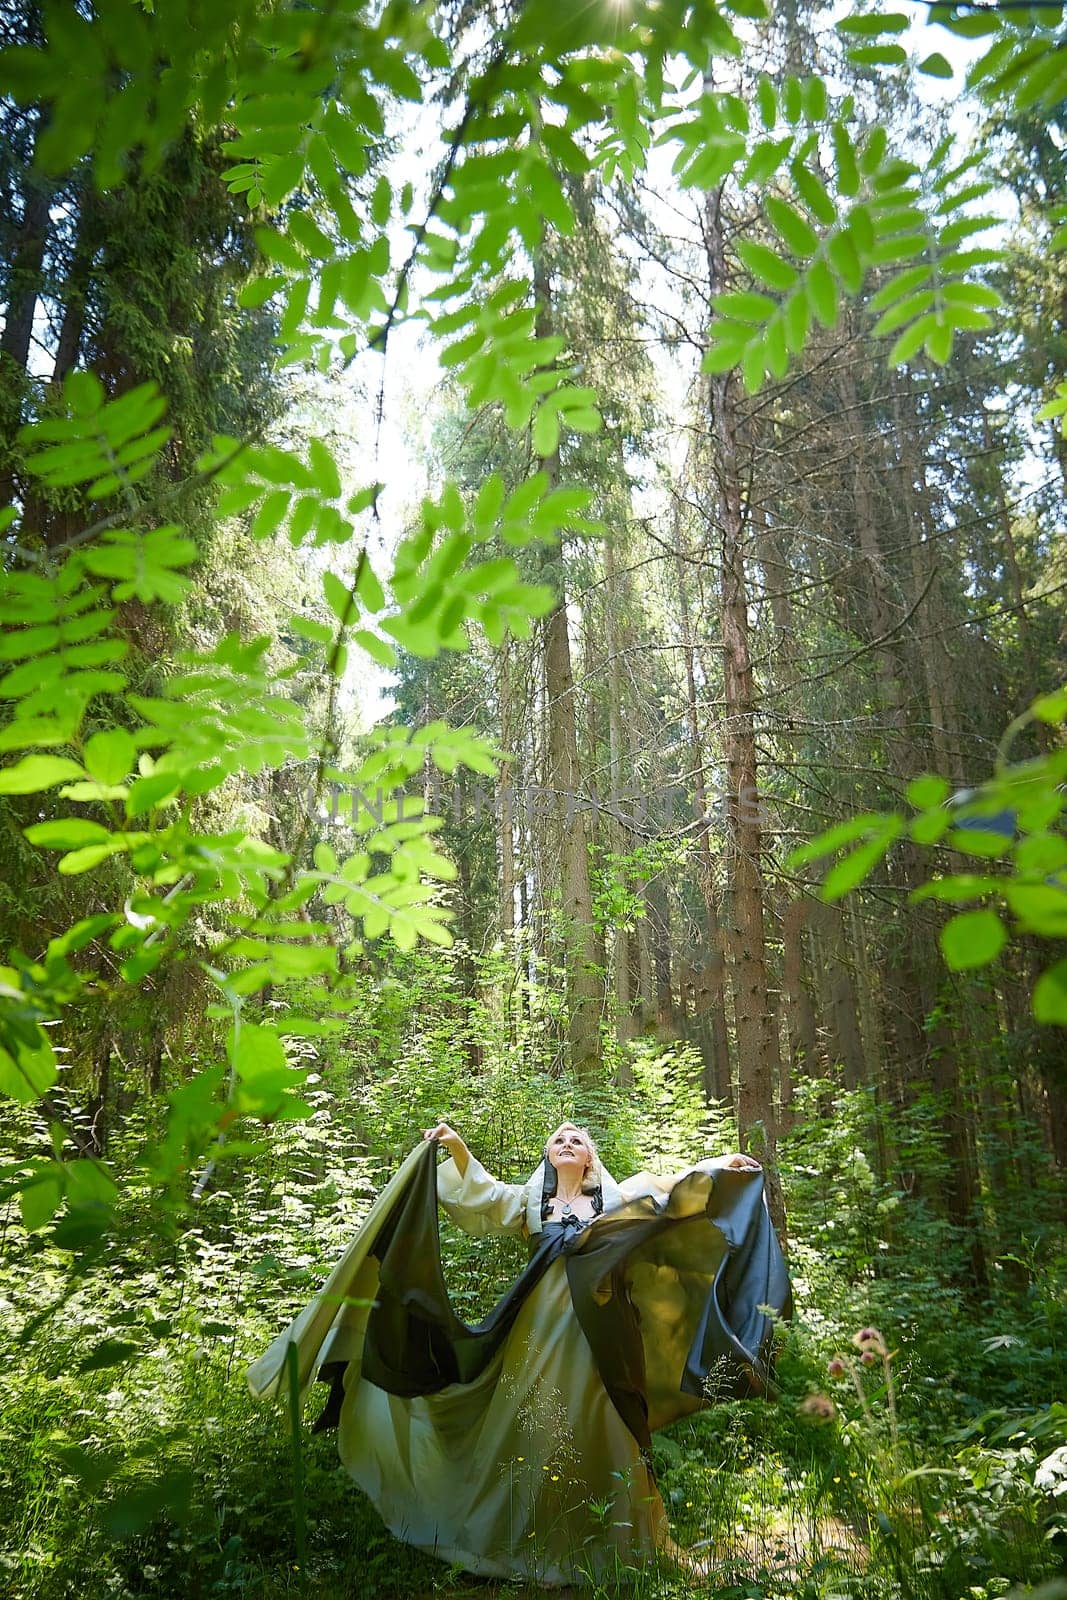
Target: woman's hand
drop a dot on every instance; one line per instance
(452, 1143)
(743, 1163)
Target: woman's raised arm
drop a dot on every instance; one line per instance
(452, 1143)
(474, 1200)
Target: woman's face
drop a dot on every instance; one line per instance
(568, 1149)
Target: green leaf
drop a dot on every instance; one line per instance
(753, 367)
(255, 1050)
(903, 284)
(583, 419)
(34, 773)
(936, 66)
(1040, 907)
(27, 732)
(905, 311)
(271, 513)
(327, 479)
(258, 291)
(28, 1071)
(911, 340)
(792, 101)
(878, 55)
(869, 24)
(39, 1201)
(145, 794)
(379, 650)
(368, 587)
(766, 265)
(814, 194)
(109, 1353)
(766, 158)
(727, 348)
(796, 317)
(110, 756)
(791, 227)
(546, 430)
(874, 149)
(89, 1184)
(844, 258)
(308, 628)
(958, 887)
(929, 826)
(775, 349)
(826, 843)
(743, 305)
(339, 598)
(1041, 854)
(1051, 707)
(133, 1510)
(927, 791)
(848, 176)
(86, 446)
(311, 239)
(857, 867)
(973, 939)
(939, 340)
(767, 100)
(1050, 995)
(90, 856)
(821, 290)
(66, 833)
(974, 840)
(816, 100)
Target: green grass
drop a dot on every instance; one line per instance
(158, 1476)
(134, 1464)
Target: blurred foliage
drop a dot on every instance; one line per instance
(1013, 825)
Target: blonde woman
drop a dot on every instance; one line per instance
(520, 1447)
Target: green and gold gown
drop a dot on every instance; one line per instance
(519, 1448)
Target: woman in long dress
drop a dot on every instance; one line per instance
(520, 1448)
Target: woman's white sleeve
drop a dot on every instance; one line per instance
(478, 1203)
(644, 1184)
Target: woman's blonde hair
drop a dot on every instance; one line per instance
(593, 1175)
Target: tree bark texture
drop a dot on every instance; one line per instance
(570, 857)
(757, 1121)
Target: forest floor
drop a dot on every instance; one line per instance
(135, 1466)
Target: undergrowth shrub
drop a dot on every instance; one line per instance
(134, 1464)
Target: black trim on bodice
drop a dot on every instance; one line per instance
(549, 1181)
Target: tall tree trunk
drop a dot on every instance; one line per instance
(75, 288)
(98, 1109)
(585, 991)
(800, 1016)
(1016, 582)
(844, 1012)
(711, 1000)
(918, 958)
(506, 797)
(756, 1113)
(24, 280)
(658, 917)
(621, 837)
(938, 667)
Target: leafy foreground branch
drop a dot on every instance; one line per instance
(1013, 822)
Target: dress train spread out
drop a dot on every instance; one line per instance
(519, 1447)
